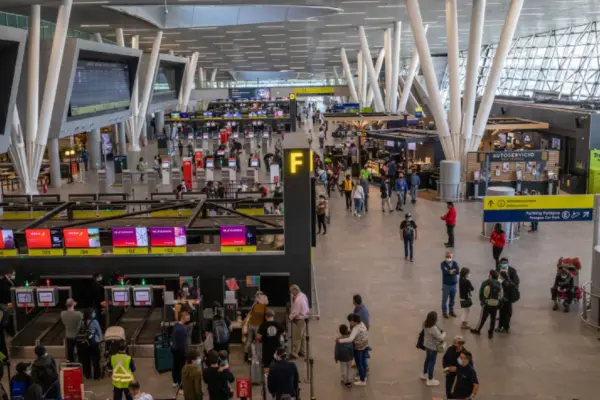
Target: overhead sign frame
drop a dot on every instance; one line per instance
(557, 208)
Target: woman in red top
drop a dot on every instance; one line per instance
(498, 240)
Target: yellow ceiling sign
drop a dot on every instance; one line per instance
(506, 203)
(314, 90)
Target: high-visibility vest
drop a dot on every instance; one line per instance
(121, 375)
(348, 185)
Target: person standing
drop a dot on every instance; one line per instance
(498, 241)
(490, 294)
(408, 231)
(450, 218)
(563, 283)
(45, 373)
(283, 377)
(217, 379)
(348, 191)
(465, 288)
(298, 316)
(88, 346)
(466, 384)
(512, 272)
(361, 310)
(253, 321)
(322, 207)
(392, 167)
(450, 363)
(123, 368)
(180, 145)
(359, 336)
(510, 295)
(270, 334)
(385, 190)
(344, 353)
(450, 272)
(415, 182)
(136, 391)
(365, 185)
(71, 319)
(179, 343)
(433, 340)
(359, 197)
(191, 377)
(401, 189)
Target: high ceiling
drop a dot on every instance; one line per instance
(308, 45)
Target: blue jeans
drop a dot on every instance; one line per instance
(413, 192)
(448, 294)
(358, 205)
(429, 364)
(408, 247)
(360, 358)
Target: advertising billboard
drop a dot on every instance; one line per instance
(130, 237)
(167, 236)
(7, 239)
(81, 238)
(238, 235)
(44, 238)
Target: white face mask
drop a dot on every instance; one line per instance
(448, 260)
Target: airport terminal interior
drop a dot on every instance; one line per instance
(233, 184)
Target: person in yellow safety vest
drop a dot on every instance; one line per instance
(123, 368)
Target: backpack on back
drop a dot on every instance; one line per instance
(492, 292)
(220, 331)
(409, 230)
(85, 335)
(513, 294)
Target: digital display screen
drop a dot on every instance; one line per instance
(232, 163)
(210, 163)
(167, 236)
(166, 84)
(99, 86)
(250, 135)
(254, 162)
(220, 152)
(174, 115)
(238, 235)
(7, 239)
(279, 113)
(24, 297)
(141, 296)
(412, 146)
(81, 238)
(205, 135)
(130, 237)
(120, 296)
(389, 143)
(266, 135)
(44, 238)
(45, 296)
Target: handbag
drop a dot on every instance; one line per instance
(466, 303)
(441, 346)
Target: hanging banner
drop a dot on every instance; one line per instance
(198, 158)
(187, 172)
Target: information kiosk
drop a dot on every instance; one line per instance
(25, 297)
(47, 296)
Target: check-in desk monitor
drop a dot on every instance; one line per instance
(24, 297)
(232, 163)
(142, 296)
(120, 296)
(254, 162)
(210, 163)
(47, 297)
(265, 135)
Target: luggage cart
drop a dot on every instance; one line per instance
(70, 376)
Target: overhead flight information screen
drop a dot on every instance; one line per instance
(99, 87)
(168, 81)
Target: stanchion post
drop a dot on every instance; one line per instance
(312, 381)
(308, 375)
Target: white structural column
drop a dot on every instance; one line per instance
(472, 76)
(453, 72)
(435, 97)
(184, 82)
(348, 73)
(412, 102)
(192, 65)
(412, 72)
(33, 83)
(364, 82)
(359, 72)
(201, 76)
(140, 119)
(213, 76)
(122, 138)
(395, 56)
(378, 66)
(387, 47)
(508, 32)
(56, 56)
(336, 73)
(18, 155)
(120, 37)
(54, 159)
(94, 147)
(159, 122)
(98, 37)
(379, 106)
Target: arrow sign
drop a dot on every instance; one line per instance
(490, 203)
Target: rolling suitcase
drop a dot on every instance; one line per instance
(265, 392)
(163, 358)
(256, 368)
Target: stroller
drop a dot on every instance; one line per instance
(573, 265)
(113, 339)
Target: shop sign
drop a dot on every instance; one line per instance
(314, 90)
(502, 156)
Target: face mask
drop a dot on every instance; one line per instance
(564, 276)
(186, 291)
(448, 260)
(459, 361)
(12, 277)
(504, 266)
(93, 315)
(468, 276)
(198, 361)
(98, 279)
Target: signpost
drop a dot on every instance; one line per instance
(538, 208)
(244, 388)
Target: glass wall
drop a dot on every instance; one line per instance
(564, 63)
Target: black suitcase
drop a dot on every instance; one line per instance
(163, 358)
(355, 170)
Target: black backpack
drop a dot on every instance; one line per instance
(421, 340)
(493, 293)
(513, 294)
(409, 230)
(85, 335)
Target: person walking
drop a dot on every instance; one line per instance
(298, 315)
(141, 168)
(450, 362)
(358, 196)
(450, 272)
(498, 241)
(433, 341)
(365, 185)
(465, 288)
(466, 384)
(179, 343)
(450, 219)
(283, 379)
(385, 190)
(322, 208)
(71, 319)
(490, 294)
(348, 184)
(270, 334)
(409, 233)
(88, 344)
(415, 182)
(123, 368)
(401, 189)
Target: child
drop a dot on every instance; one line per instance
(344, 354)
(19, 384)
(223, 360)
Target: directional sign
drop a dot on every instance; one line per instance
(538, 208)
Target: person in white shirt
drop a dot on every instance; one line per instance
(359, 337)
(298, 315)
(359, 198)
(321, 138)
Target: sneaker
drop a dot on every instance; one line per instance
(360, 383)
(348, 384)
(499, 330)
(452, 314)
(555, 307)
(424, 377)
(174, 385)
(432, 382)
(411, 260)
(325, 234)
(490, 334)
(445, 315)
(406, 257)
(475, 332)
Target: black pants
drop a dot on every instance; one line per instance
(485, 312)
(321, 223)
(89, 356)
(118, 394)
(449, 382)
(450, 229)
(178, 363)
(568, 299)
(348, 199)
(221, 346)
(71, 344)
(505, 315)
(496, 251)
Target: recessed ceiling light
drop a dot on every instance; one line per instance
(250, 46)
(338, 25)
(296, 67)
(299, 45)
(222, 43)
(242, 39)
(238, 60)
(352, 13)
(329, 40)
(324, 48)
(299, 56)
(270, 26)
(169, 45)
(213, 36)
(254, 52)
(298, 51)
(186, 41)
(204, 28)
(95, 25)
(333, 33)
(234, 55)
(279, 54)
(276, 49)
(280, 65)
(394, 6)
(255, 57)
(300, 37)
(378, 18)
(274, 42)
(91, 2)
(205, 54)
(274, 34)
(238, 31)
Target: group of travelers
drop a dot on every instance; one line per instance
(352, 344)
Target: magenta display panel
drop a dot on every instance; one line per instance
(233, 235)
(130, 237)
(167, 236)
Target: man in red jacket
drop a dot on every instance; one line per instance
(450, 218)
